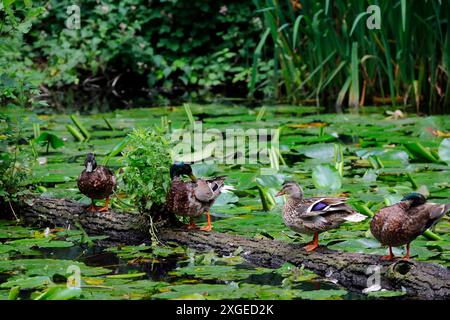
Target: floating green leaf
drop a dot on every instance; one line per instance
(326, 177)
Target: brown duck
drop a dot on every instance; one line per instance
(194, 198)
(96, 182)
(314, 215)
(402, 222)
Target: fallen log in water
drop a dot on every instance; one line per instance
(419, 279)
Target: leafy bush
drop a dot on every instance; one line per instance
(147, 163)
(173, 44)
(19, 79)
(13, 161)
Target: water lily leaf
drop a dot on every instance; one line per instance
(326, 178)
(385, 294)
(323, 151)
(226, 198)
(28, 283)
(54, 141)
(203, 169)
(203, 289)
(126, 275)
(444, 151)
(273, 181)
(48, 267)
(221, 272)
(322, 294)
(60, 293)
(42, 243)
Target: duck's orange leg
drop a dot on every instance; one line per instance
(105, 208)
(388, 257)
(314, 244)
(208, 227)
(406, 257)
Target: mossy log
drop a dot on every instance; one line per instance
(350, 270)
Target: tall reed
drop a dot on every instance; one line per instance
(324, 51)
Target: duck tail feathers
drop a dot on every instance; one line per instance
(355, 217)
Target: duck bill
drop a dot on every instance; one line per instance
(193, 178)
(280, 194)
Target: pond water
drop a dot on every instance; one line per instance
(381, 158)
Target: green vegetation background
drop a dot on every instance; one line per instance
(318, 52)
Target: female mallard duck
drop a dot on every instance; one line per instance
(402, 222)
(96, 182)
(192, 198)
(314, 215)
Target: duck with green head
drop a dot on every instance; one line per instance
(401, 223)
(194, 198)
(96, 182)
(314, 215)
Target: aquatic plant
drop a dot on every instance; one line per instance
(324, 53)
(147, 161)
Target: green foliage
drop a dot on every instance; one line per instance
(19, 79)
(444, 150)
(326, 177)
(172, 44)
(49, 139)
(322, 50)
(13, 161)
(147, 164)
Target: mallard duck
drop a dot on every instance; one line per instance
(314, 215)
(96, 182)
(192, 198)
(401, 223)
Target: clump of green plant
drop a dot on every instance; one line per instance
(13, 162)
(147, 162)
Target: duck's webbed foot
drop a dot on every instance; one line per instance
(92, 207)
(389, 257)
(311, 246)
(191, 224)
(407, 255)
(104, 208)
(208, 227)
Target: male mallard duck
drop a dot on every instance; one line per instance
(96, 182)
(192, 198)
(314, 215)
(402, 222)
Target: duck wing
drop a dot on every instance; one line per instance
(330, 211)
(424, 216)
(320, 206)
(209, 190)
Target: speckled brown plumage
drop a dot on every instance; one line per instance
(314, 215)
(98, 184)
(401, 223)
(183, 198)
(298, 217)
